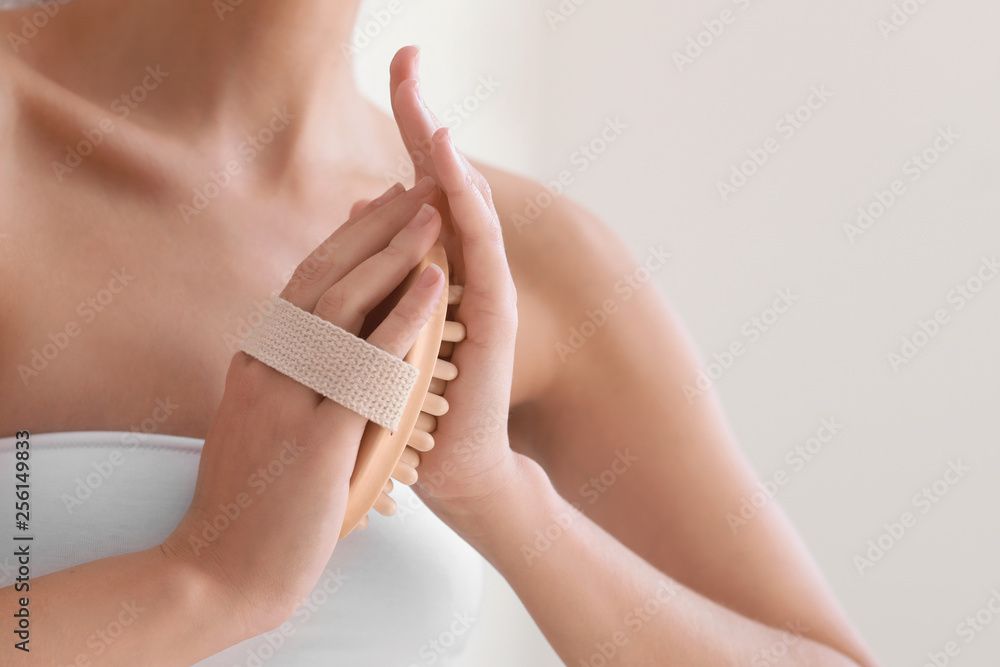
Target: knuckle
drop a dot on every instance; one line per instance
(333, 303)
(409, 314)
(494, 232)
(489, 233)
(503, 315)
(392, 342)
(396, 250)
(469, 183)
(492, 236)
(358, 206)
(496, 305)
(484, 187)
(512, 291)
(507, 309)
(494, 329)
(466, 186)
(495, 302)
(309, 271)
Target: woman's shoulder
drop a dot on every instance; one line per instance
(565, 261)
(562, 245)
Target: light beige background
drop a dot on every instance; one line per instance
(827, 356)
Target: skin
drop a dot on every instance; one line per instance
(658, 534)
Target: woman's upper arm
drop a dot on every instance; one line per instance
(656, 467)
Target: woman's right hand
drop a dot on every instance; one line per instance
(277, 460)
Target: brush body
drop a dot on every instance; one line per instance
(383, 455)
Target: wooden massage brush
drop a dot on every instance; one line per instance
(384, 456)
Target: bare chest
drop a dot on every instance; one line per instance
(121, 315)
(113, 310)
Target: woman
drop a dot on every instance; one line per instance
(207, 148)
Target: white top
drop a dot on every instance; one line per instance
(402, 593)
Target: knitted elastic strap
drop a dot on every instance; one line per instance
(333, 362)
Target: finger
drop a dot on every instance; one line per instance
(486, 269)
(345, 249)
(394, 191)
(415, 119)
(421, 125)
(369, 205)
(416, 122)
(481, 183)
(397, 333)
(350, 299)
(404, 66)
(357, 207)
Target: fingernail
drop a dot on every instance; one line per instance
(429, 276)
(422, 217)
(389, 194)
(423, 188)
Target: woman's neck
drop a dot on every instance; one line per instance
(224, 68)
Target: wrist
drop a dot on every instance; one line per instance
(498, 524)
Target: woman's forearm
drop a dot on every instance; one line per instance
(595, 600)
(144, 608)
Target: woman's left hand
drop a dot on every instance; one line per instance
(471, 463)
